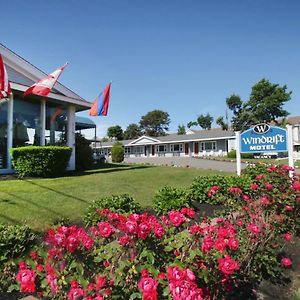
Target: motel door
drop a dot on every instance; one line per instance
(196, 150)
(186, 148)
(153, 150)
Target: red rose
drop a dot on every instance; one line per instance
(286, 262)
(105, 229)
(227, 265)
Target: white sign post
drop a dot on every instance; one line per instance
(289, 129)
(238, 152)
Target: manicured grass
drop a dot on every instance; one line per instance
(40, 202)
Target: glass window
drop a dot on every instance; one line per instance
(3, 134)
(56, 125)
(162, 148)
(127, 150)
(208, 146)
(26, 122)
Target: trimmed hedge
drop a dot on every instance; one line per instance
(232, 154)
(41, 161)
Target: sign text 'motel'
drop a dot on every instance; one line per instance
(264, 138)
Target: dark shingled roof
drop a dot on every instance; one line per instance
(203, 135)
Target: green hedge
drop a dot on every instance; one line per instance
(232, 154)
(41, 161)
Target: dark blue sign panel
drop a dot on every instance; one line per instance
(264, 138)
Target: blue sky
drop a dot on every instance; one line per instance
(183, 57)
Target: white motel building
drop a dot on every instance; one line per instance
(34, 120)
(196, 143)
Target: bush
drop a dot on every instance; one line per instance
(83, 153)
(170, 198)
(41, 161)
(116, 203)
(201, 186)
(138, 256)
(217, 189)
(232, 154)
(117, 153)
(15, 241)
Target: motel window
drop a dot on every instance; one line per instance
(138, 149)
(56, 125)
(208, 146)
(176, 147)
(127, 150)
(26, 126)
(161, 148)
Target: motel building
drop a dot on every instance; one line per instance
(213, 142)
(35, 120)
(195, 143)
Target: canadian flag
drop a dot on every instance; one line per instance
(5, 89)
(44, 86)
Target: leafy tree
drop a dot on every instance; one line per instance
(220, 121)
(234, 103)
(264, 105)
(83, 153)
(181, 129)
(105, 139)
(155, 123)
(205, 121)
(115, 132)
(133, 131)
(117, 152)
(191, 124)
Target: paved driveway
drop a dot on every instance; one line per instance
(187, 161)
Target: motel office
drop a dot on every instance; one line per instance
(34, 120)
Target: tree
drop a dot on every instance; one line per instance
(155, 123)
(133, 131)
(115, 132)
(83, 153)
(205, 121)
(264, 105)
(117, 152)
(181, 129)
(191, 124)
(220, 121)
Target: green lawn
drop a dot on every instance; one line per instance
(40, 202)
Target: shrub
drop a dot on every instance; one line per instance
(15, 241)
(83, 153)
(117, 153)
(41, 161)
(232, 154)
(202, 185)
(170, 198)
(116, 203)
(139, 256)
(218, 189)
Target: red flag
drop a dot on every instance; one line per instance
(5, 89)
(44, 86)
(100, 105)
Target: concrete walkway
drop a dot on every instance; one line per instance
(187, 161)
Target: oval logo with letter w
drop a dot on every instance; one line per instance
(261, 128)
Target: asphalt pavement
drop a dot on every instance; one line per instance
(223, 166)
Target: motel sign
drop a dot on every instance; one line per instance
(263, 138)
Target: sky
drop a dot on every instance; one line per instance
(182, 57)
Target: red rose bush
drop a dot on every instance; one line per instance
(140, 256)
